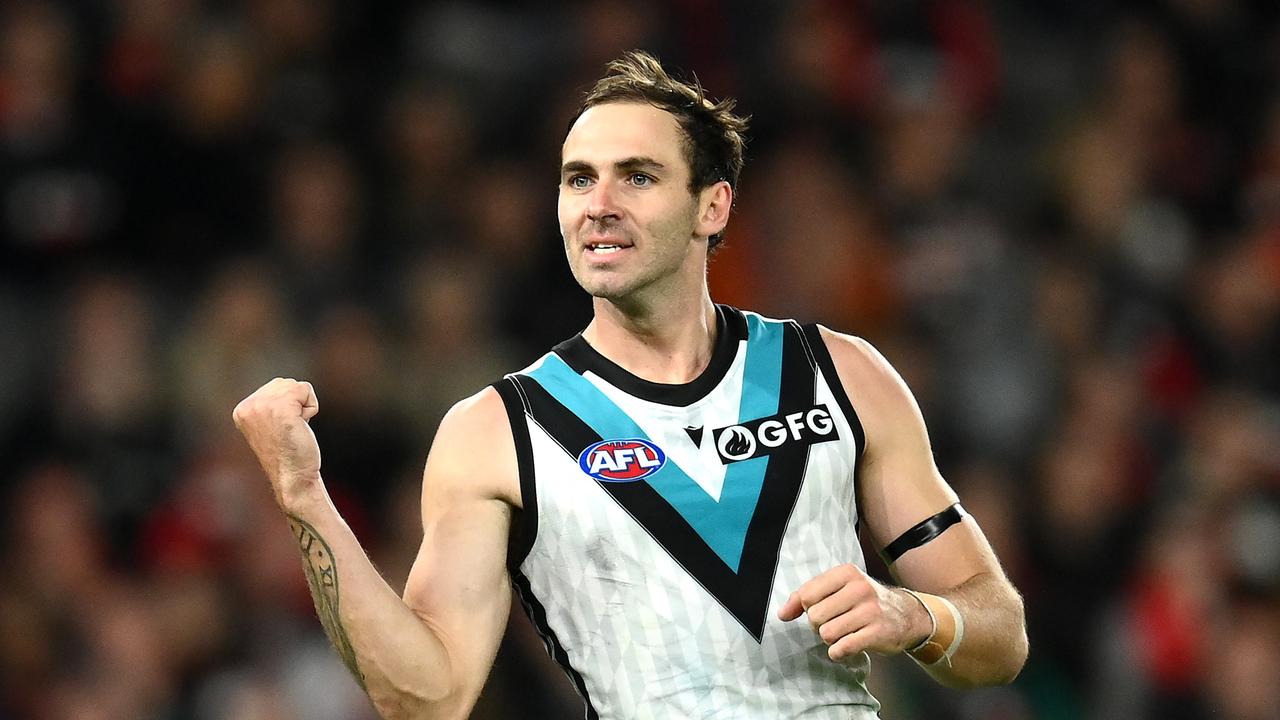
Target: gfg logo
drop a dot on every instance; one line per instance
(762, 436)
(622, 460)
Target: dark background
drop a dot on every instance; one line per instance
(1060, 220)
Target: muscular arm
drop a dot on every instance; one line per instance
(425, 655)
(900, 486)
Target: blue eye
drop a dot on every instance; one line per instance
(579, 182)
(641, 180)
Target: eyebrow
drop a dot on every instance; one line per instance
(624, 165)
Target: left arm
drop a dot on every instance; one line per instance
(954, 573)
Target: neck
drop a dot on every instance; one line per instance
(669, 344)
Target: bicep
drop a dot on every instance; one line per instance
(459, 584)
(900, 484)
(901, 488)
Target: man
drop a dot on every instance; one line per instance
(669, 491)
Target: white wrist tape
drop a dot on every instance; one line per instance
(948, 629)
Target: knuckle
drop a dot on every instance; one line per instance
(860, 590)
(829, 633)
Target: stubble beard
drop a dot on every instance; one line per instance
(627, 287)
(641, 277)
(609, 284)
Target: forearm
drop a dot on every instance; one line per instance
(994, 643)
(394, 654)
(427, 655)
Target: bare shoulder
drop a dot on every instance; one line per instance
(875, 388)
(853, 353)
(900, 484)
(474, 452)
(478, 411)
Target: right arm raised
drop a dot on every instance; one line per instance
(426, 655)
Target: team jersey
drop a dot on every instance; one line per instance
(664, 525)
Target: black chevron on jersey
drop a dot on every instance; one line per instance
(744, 594)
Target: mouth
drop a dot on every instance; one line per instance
(606, 246)
(604, 249)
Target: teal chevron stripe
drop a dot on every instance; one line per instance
(721, 533)
(762, 377)
(761, 383)
(722, 525)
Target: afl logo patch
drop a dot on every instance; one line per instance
(622, 460)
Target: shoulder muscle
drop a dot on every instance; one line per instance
(473, 453)
(900, 484)
(885, 405)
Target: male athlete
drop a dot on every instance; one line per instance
(670, 491)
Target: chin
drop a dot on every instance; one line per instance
(605, 288)
(606, 292)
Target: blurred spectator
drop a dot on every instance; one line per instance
(239, 330)
(448, 308)
(316, 225)
(429, 139)
(56, 202)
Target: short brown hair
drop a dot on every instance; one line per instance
(714, 136)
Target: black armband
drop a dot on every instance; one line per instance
(924, 532)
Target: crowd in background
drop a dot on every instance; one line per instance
(1059, 220)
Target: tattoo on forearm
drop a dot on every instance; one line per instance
(321, 570)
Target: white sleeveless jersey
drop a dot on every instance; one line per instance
(664, 525)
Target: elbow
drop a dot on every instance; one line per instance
(1020, 656)
(999, 670)
(1001, 660)
(1021, 646)
(408, 703)
(1008, 663)
(411, 708)
(1014, 658)
(393, 703)
(395, 706)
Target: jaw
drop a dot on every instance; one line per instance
(634, 283)
(651, 263)
(606, 281)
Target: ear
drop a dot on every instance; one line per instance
(714, 203)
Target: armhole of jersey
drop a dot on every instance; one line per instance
(823, 357)
(525, 524)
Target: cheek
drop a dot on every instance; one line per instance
(675, 224)
(567, 211)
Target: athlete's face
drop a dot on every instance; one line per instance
(626, 213)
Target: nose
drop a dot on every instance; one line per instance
(602, 204)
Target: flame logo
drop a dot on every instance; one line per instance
(736, 443)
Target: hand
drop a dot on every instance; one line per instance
(852, 612)
(274, 421)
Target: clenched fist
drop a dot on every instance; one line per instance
(274, 421)
(852, 612)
